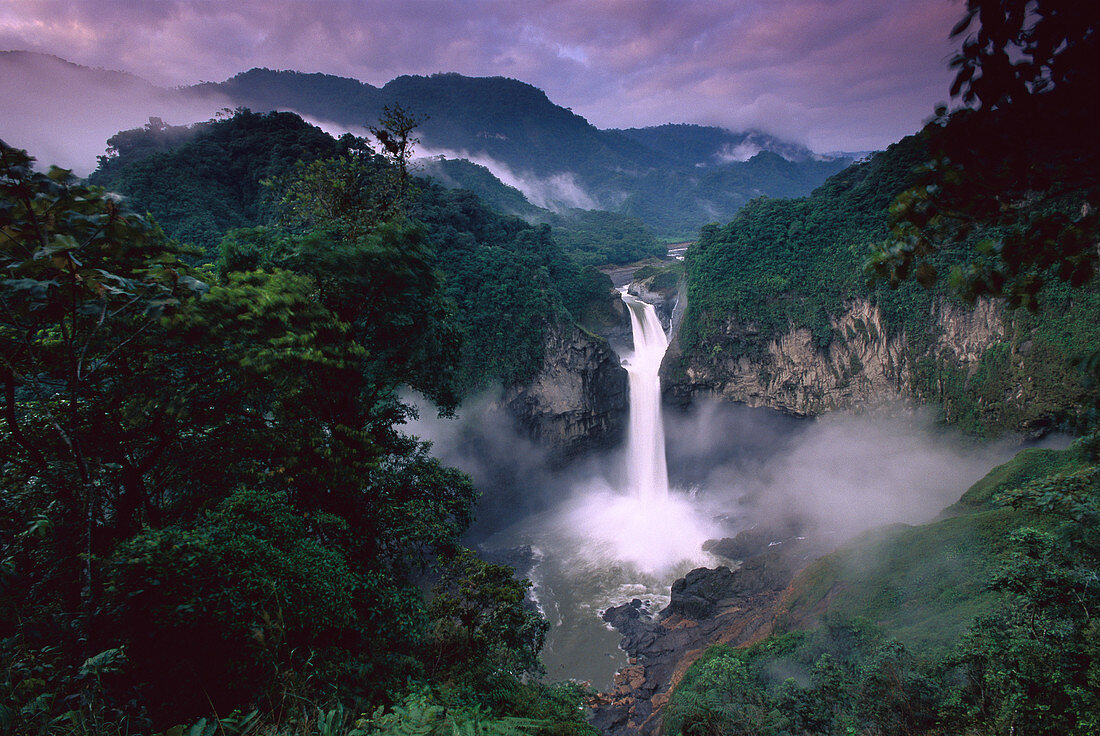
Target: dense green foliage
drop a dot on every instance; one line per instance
(783, 264)
(599, 238)
(661, 278)
(788, 264)
(206, 503)
(984, 622)
(510, 280)
(792, 262)
(505, 280)
(964, 197)
(1023, 72)
(203, 180)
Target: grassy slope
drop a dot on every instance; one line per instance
(925, 584)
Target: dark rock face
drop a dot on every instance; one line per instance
(753, 541)
(579, 398)
(719, 606)
(702, 592)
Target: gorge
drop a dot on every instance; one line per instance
(296, 435)
(608, 531)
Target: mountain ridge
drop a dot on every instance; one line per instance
(508, 125)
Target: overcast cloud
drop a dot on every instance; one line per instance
(834, 74)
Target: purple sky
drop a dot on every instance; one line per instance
(834, 74)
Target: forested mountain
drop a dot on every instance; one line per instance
(782, 269)
(204, 181)
(651, 174)
(504, 119)
(207, 505)
(592, 237)
(700, 145)
(557, 157)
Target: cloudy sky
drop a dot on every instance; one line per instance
(835, 74)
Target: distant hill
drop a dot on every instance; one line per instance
(63, 113)
(495, 117)
(674, 178)
(699, 145)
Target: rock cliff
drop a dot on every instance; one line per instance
(578, 399)
(863, 364)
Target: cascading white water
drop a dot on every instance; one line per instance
(647, 471)
(608, 543)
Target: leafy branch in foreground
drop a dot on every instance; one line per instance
(1014, 174)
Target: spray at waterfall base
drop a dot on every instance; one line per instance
(644, 525)
(614, 539)
(609, 529)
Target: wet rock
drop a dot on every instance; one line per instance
(709, 606)
(702, 592)
(754, 541)
(579, 398)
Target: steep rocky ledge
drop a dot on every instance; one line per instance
(578, 400)
(733, 606)
(862, 365)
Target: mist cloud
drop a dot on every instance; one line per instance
(555, 192)
(52, 111)
(836, 475)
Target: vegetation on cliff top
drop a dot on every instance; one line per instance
(506, 280)
(781, 265)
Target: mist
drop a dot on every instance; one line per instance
(838, 474)
(588, 544)
(731, 467)
(556, 192)
(63, 114)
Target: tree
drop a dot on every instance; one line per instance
(394, 132)
(241, 427)
(483, 622)
(1014, 171)
(84, 286)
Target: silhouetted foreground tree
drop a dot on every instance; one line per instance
(1014, 173)
(205, 501)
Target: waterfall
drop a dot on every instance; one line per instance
(647, 472)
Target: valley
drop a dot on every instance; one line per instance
(430, 407)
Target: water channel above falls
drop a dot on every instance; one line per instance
(617, 536)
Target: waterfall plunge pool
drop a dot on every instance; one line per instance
(612, 527)
(605, 546)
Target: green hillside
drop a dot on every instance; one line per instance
(795, 263)
(203, 182)
(976, 622)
